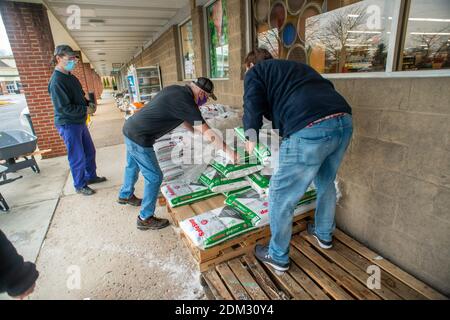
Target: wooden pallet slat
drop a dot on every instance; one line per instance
(341, 276)
(387, 280)
(250, 285)
(389, 267)
(310, 287)
(320, 277)
(216, 285)
(263, 279)
(290, 285)
(345, 264)
(232, 282)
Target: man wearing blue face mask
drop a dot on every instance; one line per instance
(70, 112)
(172, 107)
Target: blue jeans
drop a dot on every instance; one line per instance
(311, 154)
(144, 160)
(80, 152)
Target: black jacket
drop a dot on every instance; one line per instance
(69, 103)
(16, 276)
(290, 94)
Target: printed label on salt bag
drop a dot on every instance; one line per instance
(236, 192)
(218, 184)
(223, 165)
(179, 194)
(214, 227)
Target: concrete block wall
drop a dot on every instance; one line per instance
(396, 175)
(31, 41)
(163, 52)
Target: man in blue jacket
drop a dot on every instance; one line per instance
(315, 123)
(70, 108)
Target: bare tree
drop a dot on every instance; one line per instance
(340, 26)
(267, 40)
(433, 43)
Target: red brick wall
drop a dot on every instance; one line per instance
(31, 40)
(79, 73)
(89, 77)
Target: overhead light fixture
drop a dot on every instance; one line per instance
(429, 20)
(101, 54)
(99, 41)
(96, 22)
(365, 32)
(431, 33)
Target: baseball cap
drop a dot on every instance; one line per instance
(65, 50)
(206, 85)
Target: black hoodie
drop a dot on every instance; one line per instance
(16, 276)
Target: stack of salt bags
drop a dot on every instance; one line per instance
(255, 207)
(168, 149)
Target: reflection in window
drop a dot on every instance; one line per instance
(353, 38)
(187, 47)
(217, 20)
(427, 41)
(267, 36)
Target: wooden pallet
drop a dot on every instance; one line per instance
(232, 248)
(316, 274)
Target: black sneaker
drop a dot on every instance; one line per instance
(323, 244)
(262, 254)
(86, 191)
(152, 223)
(132, 201)
(97, 180)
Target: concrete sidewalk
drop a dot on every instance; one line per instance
(92, 249)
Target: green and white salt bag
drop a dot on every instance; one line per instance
(259, 183)
(218, 184)
(256, 208)
(180, 193)
(261, 151)
(214, 227)
(222, 163)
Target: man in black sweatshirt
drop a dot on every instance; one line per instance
(17, 278)
(70, 109)
(315, 123)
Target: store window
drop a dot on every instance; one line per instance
(351, 38)
(187, 50)
(333, 36)
(427, 39)
(217, 24)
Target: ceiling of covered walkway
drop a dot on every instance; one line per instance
(112, 31)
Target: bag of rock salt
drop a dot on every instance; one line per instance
(248, 165)
(256, 208)
(180, 193)
(261, 151)
(214, 227)
(218, 184)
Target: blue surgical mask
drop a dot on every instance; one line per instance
(70, 65)
(202, 101)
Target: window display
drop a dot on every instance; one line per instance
(427, 39)
(217, 24)
(187, 50)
